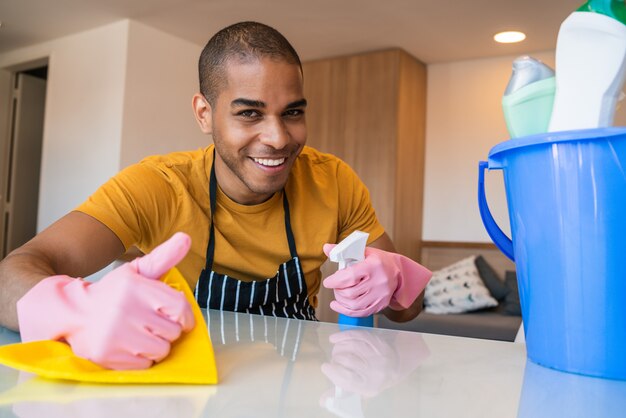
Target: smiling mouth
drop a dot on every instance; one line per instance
(269, 162)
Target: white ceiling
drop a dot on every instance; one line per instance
(431, 30)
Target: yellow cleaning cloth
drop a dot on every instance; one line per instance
(191, 359)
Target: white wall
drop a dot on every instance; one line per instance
(83, 119)
(115, 94)
(463, 121)
(161, 78)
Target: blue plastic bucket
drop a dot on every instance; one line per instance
(566, 195)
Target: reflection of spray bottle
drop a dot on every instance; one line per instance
(590, 65)
(529, 96)
(349, 251)
(345, 404)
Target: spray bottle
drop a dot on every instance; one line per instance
(349, 251)
(528, 98)
(590, 65)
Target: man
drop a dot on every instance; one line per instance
(249, 218)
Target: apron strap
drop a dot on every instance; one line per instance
(210, 250)
(290, 239)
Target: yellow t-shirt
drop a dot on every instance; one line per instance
(148, 202)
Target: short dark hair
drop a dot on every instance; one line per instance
(244, 41)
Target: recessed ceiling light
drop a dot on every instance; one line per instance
(509, 37)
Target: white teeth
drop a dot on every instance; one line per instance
(268, 162)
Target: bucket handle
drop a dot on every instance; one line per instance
(499, 238)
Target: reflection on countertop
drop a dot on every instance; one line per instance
(37, 397)
(272, 367)
(551, 393)
(362, 365)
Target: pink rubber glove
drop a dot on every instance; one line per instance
(382, 279)
(127, 320)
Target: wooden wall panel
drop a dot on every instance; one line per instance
(411, 142)
(323, 84)
(352, 114)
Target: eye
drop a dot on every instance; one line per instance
(293, 113)
(249, 114)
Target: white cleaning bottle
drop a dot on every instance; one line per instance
(349, 251)
(590, 66)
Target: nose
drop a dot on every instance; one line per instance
(274, 133)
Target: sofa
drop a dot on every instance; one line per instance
(501, 322)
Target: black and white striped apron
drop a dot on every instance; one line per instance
(283, 295)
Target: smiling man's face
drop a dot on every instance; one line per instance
(258, 126)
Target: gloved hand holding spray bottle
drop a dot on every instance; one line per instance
(346, 253)
(370, 280)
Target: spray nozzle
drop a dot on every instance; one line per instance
(350, 250)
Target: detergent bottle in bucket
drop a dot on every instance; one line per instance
(566, 194)
(529, 97)
(590, 66)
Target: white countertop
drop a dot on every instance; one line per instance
(274, 367)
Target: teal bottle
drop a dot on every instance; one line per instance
(612, 8)
(528, 98)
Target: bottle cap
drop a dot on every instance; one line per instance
(527, 70)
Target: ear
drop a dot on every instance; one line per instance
(202, 111)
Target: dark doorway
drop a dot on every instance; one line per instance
(20, 177)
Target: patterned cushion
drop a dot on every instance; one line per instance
(457, 288)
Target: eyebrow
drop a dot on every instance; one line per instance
(257, 103)
(247, 103)
(297, 103)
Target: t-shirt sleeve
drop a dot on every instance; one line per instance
(136, 204)
(355, 206)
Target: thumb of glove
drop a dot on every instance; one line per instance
(160, 260)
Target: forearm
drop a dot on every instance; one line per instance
(406, 314)
(19, 272)
(77, 245)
